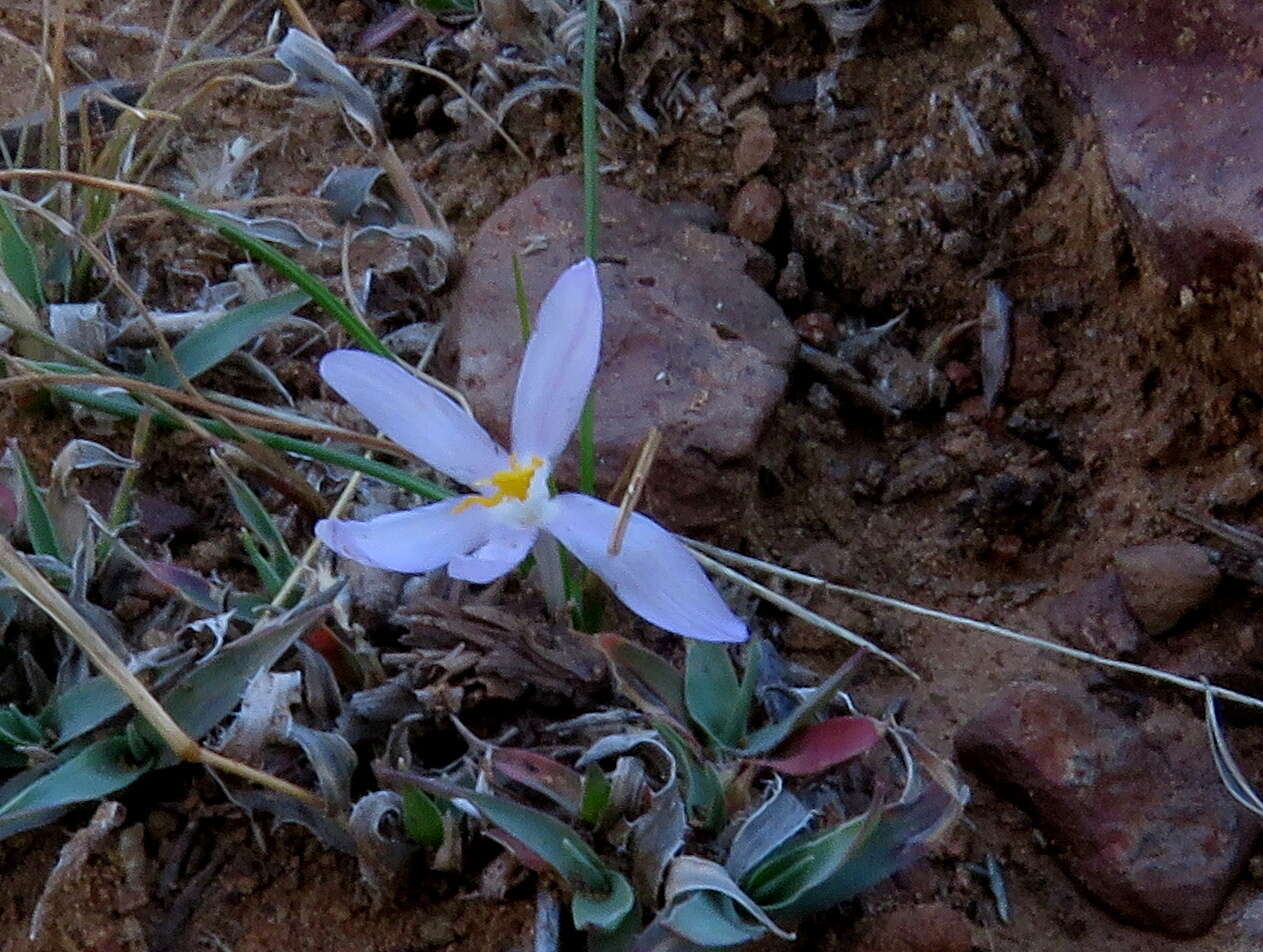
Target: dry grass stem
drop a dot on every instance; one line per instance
(635, 486)
(701, 549)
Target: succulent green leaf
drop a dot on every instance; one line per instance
(207, 346)
(551, 840)
(692, 875)
(422, 821)
(596, 795)
(604, 912)
(712, 692)
(711, 921)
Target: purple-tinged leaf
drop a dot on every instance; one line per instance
(817, 747)
(187, 583)
(544, 775)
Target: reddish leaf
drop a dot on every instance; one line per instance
(820, 746)
(326, 644)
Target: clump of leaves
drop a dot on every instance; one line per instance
(66, 736)
(729, 806)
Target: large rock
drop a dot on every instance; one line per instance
(1175, 87)
(692, 345)
(1144, 824)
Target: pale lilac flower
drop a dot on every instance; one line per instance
(481, 536)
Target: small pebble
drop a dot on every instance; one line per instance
(755, 210)
(1164, 582)
(756, 145)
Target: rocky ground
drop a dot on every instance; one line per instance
(963, 310)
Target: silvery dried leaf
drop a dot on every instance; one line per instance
(656, 838)
(264, 716)
(85, 327)
(377, 827)
(285, 809)
(351, 192)
(334, 761)
(278, 231)
(773, 823)
(85, 454)
(318, 72)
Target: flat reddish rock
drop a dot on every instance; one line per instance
(692, 345)
(1175, 87)
(1138, 813)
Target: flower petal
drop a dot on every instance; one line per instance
(422, 420)
(505, 549)
(653, 574)
(413, 540)
(559, 364)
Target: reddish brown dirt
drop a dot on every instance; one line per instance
(1142, 426)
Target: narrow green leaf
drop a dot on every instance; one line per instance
(272, 579)
(711, 690)
(208, 345)
(422, 821)
(519, 294)
(739, 717)
(20, 730)
(79, 709)
(17, 258)
(257, 518)
(96, 771)
(39, 523)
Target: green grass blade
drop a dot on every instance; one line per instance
(207, 346)
(17, 258)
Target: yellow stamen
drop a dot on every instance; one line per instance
(511, 483)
